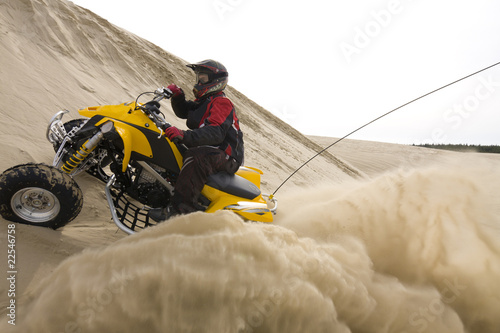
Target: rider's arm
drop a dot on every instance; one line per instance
(181, 107)
(215, 126)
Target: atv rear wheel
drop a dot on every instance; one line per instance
(38, 194)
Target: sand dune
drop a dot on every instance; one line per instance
(370, 237)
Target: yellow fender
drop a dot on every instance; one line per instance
(254, 210)
(133, 138)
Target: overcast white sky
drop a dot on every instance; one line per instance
(329, 66)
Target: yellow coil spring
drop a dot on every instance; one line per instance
(77, 158)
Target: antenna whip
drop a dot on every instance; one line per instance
(382, 116)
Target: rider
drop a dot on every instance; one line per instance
(214, 138)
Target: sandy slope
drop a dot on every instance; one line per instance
(374, 158)
(60, 56)
(57, 55)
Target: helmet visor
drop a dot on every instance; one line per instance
(202, 78)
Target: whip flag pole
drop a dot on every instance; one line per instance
(380, 117)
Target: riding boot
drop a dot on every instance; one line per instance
(163, 213)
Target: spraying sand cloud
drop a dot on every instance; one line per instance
(429, 227)
(215, 273)
(406, 252)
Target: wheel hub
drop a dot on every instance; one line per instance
(35, 204)
(38, 200)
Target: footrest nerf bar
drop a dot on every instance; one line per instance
(127, 216)
(131, 218)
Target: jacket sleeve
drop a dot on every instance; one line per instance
(181, 107)
(215, 126)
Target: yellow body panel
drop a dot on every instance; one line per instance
(251, 174)
(221, 200)
(133, 139)
(125, 112)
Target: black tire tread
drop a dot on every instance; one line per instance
(43, 176)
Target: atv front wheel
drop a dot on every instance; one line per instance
(38, 194)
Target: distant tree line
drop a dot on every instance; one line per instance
(494, 149)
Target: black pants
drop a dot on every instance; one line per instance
(199, 163)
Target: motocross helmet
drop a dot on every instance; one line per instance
(211, 77)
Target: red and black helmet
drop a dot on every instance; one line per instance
(217, 77)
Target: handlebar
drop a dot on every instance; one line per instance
(152, 108)
(162, 93)
(162, 125)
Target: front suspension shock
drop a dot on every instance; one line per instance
(82, 153)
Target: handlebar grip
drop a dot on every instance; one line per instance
(167, 92)
(164, 92)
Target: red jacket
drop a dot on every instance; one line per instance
(212, 122)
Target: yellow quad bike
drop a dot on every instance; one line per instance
(124, 146)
